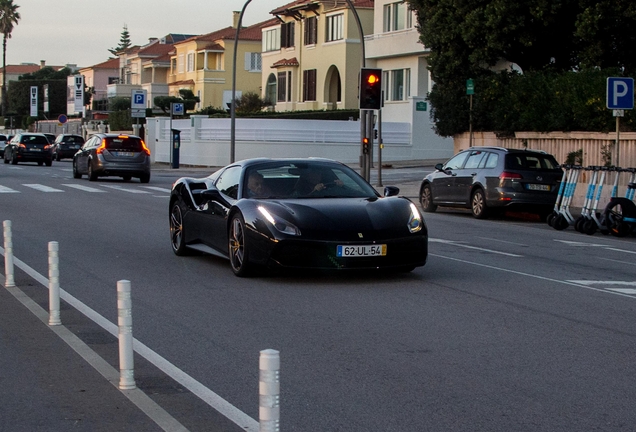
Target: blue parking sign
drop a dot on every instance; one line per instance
(620, 93)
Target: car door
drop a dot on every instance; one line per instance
(81, 158)
(443, 180)
(212, 214)
(465, 177)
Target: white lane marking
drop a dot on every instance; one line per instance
(205, 394)
(158, 189)
(136, 396)
(123, 189)
(620, 250)
(583, 244)
(617, 261)
(624, 290)
(42, 188)
(580, 244)
(84, 188)
(4, 189)
(503, 241)
(615, 283)
(453, 243)
(563, 282)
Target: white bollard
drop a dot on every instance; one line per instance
(126, 360)
(8, 255)
(54, 284)
(269, 391)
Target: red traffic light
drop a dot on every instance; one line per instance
(370, 88)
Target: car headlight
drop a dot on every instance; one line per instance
(280, 224)
(415, 220)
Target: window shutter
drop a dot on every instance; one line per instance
(248, 61)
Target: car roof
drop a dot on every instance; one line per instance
(507, 150)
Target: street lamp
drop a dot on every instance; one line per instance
(233, 103)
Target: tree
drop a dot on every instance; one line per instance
(9, 16)
(250, 103)
(124, 42)
(188, 99)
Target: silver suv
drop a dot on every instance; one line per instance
(113, 155)
(489, 179)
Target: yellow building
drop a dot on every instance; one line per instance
(203, 64)
(313, 54)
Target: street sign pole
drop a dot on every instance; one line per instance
(470, 90)
(619, 97)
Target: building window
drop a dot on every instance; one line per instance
(309, 85)
(311, 30)
(287, 34)
(282, 86)
(181, 63)
(191, 62)
(253, 61)
(397, 84)
(335, 27)
(397, 16)
(271, 40)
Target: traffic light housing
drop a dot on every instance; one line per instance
(370, 89)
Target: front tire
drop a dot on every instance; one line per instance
(426, 199)
(478, 204)
(177, 233)
(237, 250)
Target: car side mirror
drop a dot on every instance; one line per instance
(211, 194)
(439, 167)
(391, 191)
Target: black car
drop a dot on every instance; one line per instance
(50, 137)
(296, 213)
(66, 145)
(113, 155)
(3, 143)
(487, 179)
(28, 147)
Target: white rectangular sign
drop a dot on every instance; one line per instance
(34, 101)
(78, 93)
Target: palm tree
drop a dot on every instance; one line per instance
(9, 16)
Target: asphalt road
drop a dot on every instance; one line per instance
(511, 325)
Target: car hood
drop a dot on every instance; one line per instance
(358, 218)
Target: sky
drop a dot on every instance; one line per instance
(81, 32)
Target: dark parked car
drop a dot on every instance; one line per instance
(487, 179)
(3, 143)
(66, 145)
(296, 213)
(50, 137)
(28, 147)
(113, 155)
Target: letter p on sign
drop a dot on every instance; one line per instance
(620, 93)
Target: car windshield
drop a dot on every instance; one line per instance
(313, 179)
(531, 161)
(73, 140)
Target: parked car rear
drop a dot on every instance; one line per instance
(66, 145)
(28, 147)
(487, 179)
(3, 143)
(113, 155)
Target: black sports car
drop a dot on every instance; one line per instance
(296, 213)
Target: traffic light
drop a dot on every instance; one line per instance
(370, 89)
(365, 145)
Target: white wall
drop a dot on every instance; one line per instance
(206, 141)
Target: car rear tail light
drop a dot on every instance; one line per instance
(102, 147)
(22, 146)
(144, 148)
(46, 147)
(509, 176)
